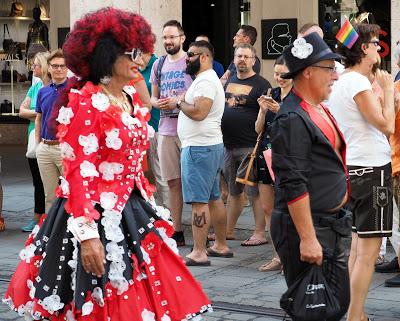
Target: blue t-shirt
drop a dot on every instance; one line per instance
(218, 68)
(44, 105)
(155, 112)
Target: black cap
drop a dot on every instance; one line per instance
(306, 51)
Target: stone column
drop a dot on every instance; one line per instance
(157, 12)
(395, 33)
(303, 11)
(60, 18)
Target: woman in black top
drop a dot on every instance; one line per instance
(269, 105)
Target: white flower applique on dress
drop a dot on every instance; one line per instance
(64, 185)
(130, 121)
(130, 90)
(64, 115)
(97, 296)
(108, 200)
(301, 48)
(150, 132)
(87, 308)
(52, 303)
(100, 101)
(90, 143)
(67, 151)
(110, 169)
(31, 288)
(148, 315)
(88, 169)
(113, 141)
(27, 253)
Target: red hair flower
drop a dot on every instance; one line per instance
(161, 224)
(152, 244)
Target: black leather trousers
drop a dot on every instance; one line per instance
(287, 245)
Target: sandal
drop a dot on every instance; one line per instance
(253, 241)
(273, 265)
(2, 224)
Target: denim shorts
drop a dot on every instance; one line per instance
(200, 173)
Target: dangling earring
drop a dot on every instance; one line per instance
(105, 80)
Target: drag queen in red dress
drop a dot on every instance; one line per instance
(104, 252)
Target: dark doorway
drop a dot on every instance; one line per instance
(218, 19)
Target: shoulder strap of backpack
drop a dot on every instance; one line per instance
(159, 68)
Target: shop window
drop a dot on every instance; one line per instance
(332, 14)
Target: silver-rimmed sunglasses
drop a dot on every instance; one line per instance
(134, 54)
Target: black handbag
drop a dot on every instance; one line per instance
(10, 46)
(6, 73)
(310, 298)
(247, 172)
(5, 107)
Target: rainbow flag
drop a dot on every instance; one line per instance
(347, 35)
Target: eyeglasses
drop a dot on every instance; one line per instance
(332, 70)
(374, 42)
(191, 54)
(56, 66)
(243, 57)
(134, 54)
(165, 38)
(35, 65)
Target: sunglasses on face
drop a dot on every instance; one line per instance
(191, 54)
(134, 54)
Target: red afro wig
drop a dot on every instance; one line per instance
(129, 30)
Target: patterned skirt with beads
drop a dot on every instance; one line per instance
(145, 278)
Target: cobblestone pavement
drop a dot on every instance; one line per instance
(235, 281)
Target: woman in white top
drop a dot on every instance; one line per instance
(366, 124)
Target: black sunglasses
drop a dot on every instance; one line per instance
(191, 54)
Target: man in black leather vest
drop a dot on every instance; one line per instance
(308, 158)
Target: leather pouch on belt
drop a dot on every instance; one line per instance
(340, 224)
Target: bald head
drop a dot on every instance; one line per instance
(310, 28)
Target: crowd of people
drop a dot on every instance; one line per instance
(327, 168)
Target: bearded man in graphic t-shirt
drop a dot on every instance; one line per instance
(169, 87)
(241, 109)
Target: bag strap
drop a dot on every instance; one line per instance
(5, 28)
(253, 156)
(158, 71)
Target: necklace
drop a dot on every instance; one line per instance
(121, 103)
(317, 107)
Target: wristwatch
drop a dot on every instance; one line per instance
(178, 104)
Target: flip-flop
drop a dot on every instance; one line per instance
(191, 262)
(253, 241)
(212, 253)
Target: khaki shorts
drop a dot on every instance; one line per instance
(169, 154)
